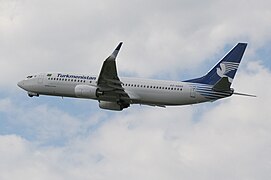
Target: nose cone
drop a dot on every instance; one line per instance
(21, 84)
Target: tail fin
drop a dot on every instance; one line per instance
(222, 74)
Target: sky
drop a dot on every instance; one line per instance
(55, 138)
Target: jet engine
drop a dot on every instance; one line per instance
(112, 105)
(85, 91)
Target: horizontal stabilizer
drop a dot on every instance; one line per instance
(242, 94)
(222, 85)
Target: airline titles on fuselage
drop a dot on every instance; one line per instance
(59, 75)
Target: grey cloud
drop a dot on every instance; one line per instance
(77, 37)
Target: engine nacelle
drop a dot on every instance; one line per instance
(110, 105)
(85, 91)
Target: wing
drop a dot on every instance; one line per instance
(109, 85)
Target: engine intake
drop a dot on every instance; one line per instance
(111, 105)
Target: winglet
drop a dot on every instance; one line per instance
(119, 46)
(115, 52)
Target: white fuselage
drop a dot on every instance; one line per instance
(140, 91)
(116, 93)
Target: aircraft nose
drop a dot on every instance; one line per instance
(20, 84)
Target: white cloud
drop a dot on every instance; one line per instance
(229, 139)
(45, 124)
(39, 36)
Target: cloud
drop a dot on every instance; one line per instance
(229, 139)
(76, 37)
(45, 124)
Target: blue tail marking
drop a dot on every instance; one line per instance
(226, 67)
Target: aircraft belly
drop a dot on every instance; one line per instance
(168, 98)
(158, 97)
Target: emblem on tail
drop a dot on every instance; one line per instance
(225, 68)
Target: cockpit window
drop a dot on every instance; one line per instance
(28, 77)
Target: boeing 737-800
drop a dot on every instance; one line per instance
(116, 93)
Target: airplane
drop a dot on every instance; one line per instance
(117, 93)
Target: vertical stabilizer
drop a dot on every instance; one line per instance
(222, 75)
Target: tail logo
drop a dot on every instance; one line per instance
(226, 67)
